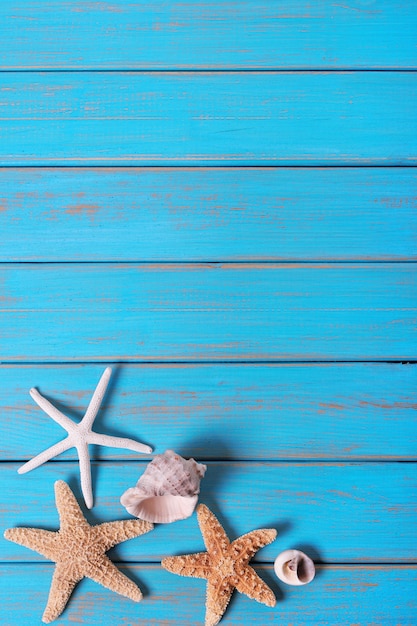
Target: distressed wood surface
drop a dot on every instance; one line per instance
(193, 214)
(124, 34)
(304, 263)
(223, 411)
(337, 512)
(180, 312)
(226, 118)
(343, 595)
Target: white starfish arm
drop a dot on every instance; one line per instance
(118, 442)
(46, 455)
(51, 410)
(85, 474)
(97, 399)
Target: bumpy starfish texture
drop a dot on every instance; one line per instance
(78, 550)
(80, 436)
(224, 565)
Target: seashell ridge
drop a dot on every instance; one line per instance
(167, 491)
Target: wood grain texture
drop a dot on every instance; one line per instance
(226, 118)
(252, 264)
(205, 214)
(179, 312)
(124, 34)
(222, 411)
(343, 595)
(337, 512)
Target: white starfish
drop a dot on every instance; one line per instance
(80, 436)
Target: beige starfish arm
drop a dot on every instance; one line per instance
(194, 565)
(96, 399)
(104, 572)
(70, 514)
(51, 410)
(251, 585)
(118, 442)
(41, 541)
(85, 473)
(111, 533)
(46, 455)
(215, 539)
(218, 597)
(248, 545)
(62, 586)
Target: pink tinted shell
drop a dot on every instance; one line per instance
(167, 491)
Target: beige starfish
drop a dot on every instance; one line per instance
(78, 550)
(224, 565)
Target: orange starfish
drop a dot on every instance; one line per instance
(224, 565)
(78, 550)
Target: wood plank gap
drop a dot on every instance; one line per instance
(316, 461)
(218, 262)
(263, 564)
(208, 362)
(206, 70)
(93, 163)
(230, 166)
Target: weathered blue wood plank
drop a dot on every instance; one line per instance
(345, 512)
(299, 411)
(212, 118)
(126, 34)
(342, 595)
(157, 312)
(194, 214)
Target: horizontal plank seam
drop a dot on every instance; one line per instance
(214, 363)
(110, 165)
(205, 264)
(330, 166)
(216, 262)
(404, 361)
(320, 564)
(233, 461)
(289, 461)
(303, 69)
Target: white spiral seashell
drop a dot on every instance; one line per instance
(167, 491)
(294, 567)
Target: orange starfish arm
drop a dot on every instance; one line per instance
(215, 539)
(195, 565)
(41, 541)
(251, 585)
(248, 545)
(104, 572)
(218, 597)
(111, 533)
(62, 586)
(224, 565)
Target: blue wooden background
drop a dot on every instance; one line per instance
(219, 200)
